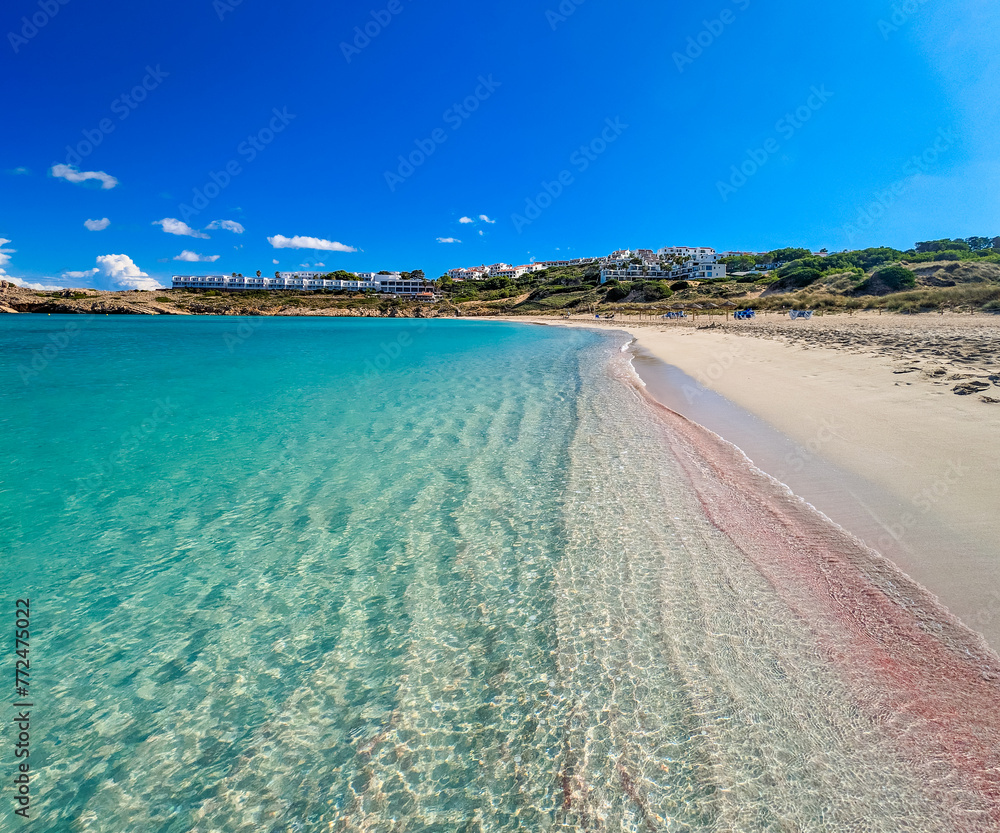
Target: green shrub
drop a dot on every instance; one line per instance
(162, 300)
(799, 277)
(491, 284)
(680, 286)
(889, 279)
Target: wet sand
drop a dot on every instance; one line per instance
(917, 672)
(858, 415)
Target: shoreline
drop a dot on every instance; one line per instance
(912, 664)
(904, 467)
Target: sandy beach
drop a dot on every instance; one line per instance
(891, 425)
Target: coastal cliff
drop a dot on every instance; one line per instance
(16, 299)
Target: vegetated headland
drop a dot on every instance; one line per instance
(934, 276)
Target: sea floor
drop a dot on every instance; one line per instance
(481, 582)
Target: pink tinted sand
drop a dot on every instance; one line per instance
(919, 673)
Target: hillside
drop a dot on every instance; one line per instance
(868, 279)
(960, 285)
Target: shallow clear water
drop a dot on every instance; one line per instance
(303, 575)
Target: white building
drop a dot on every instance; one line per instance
(674, 263)
(505, 270)
(473, 273)
(391, 284)
(580, 261)
(694, 253)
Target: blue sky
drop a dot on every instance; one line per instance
(575, 128)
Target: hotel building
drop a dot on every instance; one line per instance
(674, 263)
(392, 284)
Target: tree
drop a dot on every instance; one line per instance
(739, 263)
(258, 273)
(417, 274)
(277, 274)
(491, 284)
(943, 245)
(787, 255)
(978, 243)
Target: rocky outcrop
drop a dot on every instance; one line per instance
(16, 299)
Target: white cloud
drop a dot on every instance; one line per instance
(121, 272)
(466, 220)
(448, 240)
(279, 241)
(97, 225)
(486, 219)
(481, 232)
(20, 170)
(228, 225)
(275, 262)
(179, 227)
(320, 265)
(89, 273)
(72, 174)
(5, 253)
(25, 284)
(192, 257)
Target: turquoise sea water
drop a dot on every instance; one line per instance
(315, 574)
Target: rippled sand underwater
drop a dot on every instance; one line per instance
(489, 587)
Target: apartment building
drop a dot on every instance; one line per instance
(673, 263)
(391, 284)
